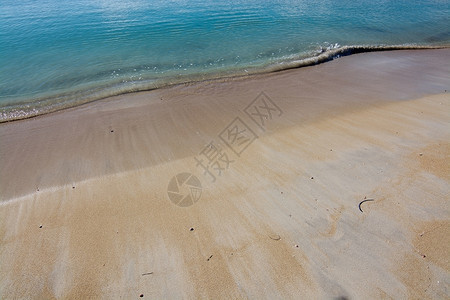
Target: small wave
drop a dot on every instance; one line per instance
(44, 105)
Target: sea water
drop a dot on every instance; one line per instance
(56, 54)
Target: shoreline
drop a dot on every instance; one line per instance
(85, 210)
(16, 112)
(315, 82)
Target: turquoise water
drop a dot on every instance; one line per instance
(56, 54)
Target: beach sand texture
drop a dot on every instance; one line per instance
(85, 213)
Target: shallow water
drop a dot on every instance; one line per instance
(55, 54)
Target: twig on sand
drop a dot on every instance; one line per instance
(365, 200)
(274, 237)
(209, 257)
(149, 273)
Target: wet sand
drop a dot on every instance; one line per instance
(85, 210)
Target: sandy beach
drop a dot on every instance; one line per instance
(283, 162)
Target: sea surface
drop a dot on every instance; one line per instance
(56, 54)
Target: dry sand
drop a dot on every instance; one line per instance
(85, 213)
